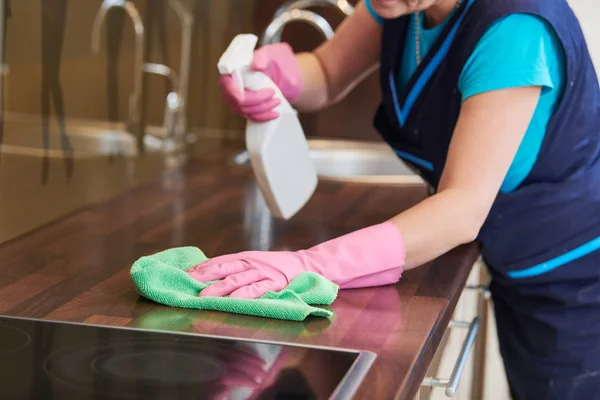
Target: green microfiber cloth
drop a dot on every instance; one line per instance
(161, 277)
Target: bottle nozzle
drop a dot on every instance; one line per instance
(238, 57)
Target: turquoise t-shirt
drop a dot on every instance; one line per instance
(518, 50)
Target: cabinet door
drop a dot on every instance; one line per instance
(469, 306)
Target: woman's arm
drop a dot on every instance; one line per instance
(339, 64)
(377, 255)
(487, 136)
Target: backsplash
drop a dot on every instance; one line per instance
(52, 68)
(68, 136)
(79, 119)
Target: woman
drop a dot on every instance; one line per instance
(496, 103)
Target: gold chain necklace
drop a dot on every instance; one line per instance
(418, 32)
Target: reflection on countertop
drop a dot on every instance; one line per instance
(35, 188)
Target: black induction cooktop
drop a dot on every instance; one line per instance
(55, 360)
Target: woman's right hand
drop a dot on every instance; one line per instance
(279, 63)
(311, 81)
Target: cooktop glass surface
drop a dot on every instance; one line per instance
(55, 361)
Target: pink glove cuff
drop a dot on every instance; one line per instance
(372, 256)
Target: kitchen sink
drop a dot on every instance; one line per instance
(354, 161)
(25, 138)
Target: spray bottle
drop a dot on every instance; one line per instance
(278, 150)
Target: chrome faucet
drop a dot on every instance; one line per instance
(174, 106)
(273, 31)
(134, 123)
(175, 117)
(187, 25)
(346, 8)
(293, 10)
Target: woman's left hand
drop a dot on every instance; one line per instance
(249, 274)
(373, 256)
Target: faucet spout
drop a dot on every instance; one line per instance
(343, 5)
(187, 29)
(97, 27)
(273, 32)
(105, 7)
(135, 101)
(173, 104)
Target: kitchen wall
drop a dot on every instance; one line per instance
(64, 110)
(63, 142)
(48, 50)
(588, 13)
(53, 37)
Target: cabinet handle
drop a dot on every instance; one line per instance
(483, 289)
(452, 383)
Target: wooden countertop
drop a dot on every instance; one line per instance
(77, 269)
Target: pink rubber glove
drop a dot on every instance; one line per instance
(373, 256)
(278, 62)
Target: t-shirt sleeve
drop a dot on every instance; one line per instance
(519, 50)
(375, 16)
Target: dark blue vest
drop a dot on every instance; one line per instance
(557, 208)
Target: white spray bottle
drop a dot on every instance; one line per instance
(278, 150)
